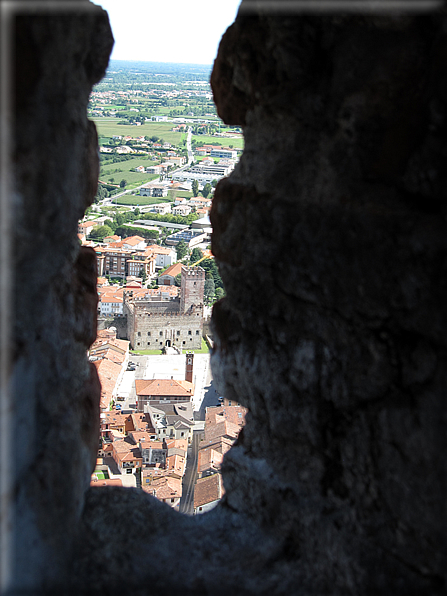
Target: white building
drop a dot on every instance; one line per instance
(110, 305)
(228, 153)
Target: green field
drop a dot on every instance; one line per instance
(183, 194)
(222, 141)
(137, 200)
(121, 170)
(107, 127)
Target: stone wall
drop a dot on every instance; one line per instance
(184, 331)
(331, 240)
(55, 393)
(192, 288)
(119, 322)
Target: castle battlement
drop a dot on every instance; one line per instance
(197, 272)
(194, 313)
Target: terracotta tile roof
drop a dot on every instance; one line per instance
(111, 300)
(124, 451)
(106, 482)
(176, 464)
(223, 429)
(105, 333)
(164, 388)
(173, 270)
(115, 419)
(209, 459)
(108, 373)
(179, 444)
(143, 437)
(208, 489)
(133, 240)
(234, 414)
(165, 487)
(160, 250)
(103, 344)
(142, 422)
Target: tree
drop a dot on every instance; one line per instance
(214, 183)
(196, 255)
(136, 211)
(111, 224)
(123, 183)
(101, 193)
(210, 267)
(100, 232)
(220, 293)
(143, 274)
(209, 290)
(182, 249)
(206, 189)
(195, 188)
(178, 280)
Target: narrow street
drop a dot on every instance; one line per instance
(187, 500)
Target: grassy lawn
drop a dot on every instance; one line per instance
(129, 164)
(222, 141)
(183, 194)
(137, 200)
(107, 127)
(121, 169)
(101, 475)
(203, 350)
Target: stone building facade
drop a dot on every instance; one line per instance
(154, 324)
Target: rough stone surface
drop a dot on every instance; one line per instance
(56, 394)
(331, 240)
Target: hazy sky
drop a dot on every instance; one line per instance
(186, 31)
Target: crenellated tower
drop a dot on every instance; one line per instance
(192, 288)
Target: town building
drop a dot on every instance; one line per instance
(167, 278)
(207, 493)
(191, 237)
(165, 322)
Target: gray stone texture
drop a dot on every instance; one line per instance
(56, 393)
(331, 241)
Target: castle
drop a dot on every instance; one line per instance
(154, 323)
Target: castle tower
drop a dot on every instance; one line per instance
(189, 366)
(192, 288)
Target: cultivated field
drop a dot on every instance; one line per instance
(222, 141)
(137, 200)
(108, 127)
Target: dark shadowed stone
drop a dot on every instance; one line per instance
(331, 240)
